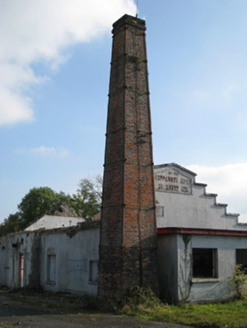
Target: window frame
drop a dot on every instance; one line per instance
(51, 269)
(241, 256)
(93, 276)
(210, 256)
(160, 211)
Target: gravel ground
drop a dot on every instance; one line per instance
(60, 311)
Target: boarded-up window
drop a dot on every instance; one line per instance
(93, 271)
(204, 263)
(51, 268)
(159, 211)
(241, 258)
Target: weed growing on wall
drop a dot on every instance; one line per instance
(185, 272)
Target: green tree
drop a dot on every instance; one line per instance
(11, 224)
(87, 201)
(36, 203)
(63, 198)
(40, 201)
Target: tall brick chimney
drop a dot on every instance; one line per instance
(128, 227)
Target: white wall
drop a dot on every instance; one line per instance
(208, 289)
(10, 249)
(73, 250)
(175, 267)
(72, 256)
(194, 209)
(48, 222)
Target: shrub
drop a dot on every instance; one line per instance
(238, 280)
(139, 299)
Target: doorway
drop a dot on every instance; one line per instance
(21, 270)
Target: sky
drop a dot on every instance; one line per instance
(55, 64)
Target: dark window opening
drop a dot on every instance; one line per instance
(93, 271)
(51, 268)
(241, 258)
(204, 263)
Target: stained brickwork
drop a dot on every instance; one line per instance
(128, 225)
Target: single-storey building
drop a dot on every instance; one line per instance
(199, 244)
(62, 259)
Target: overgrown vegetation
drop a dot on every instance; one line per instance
(143, 303)
(238, 281)
(219, 315)
(138, 299)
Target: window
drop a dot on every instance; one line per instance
(51, 268)
(159, 211)
(93, 271)
(204, 263)
(241, 258)
(21, 270)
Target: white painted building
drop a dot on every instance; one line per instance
(199, 244)
(64, 259)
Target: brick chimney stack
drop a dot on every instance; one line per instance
(128, 224)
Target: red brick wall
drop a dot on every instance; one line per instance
(128, 227)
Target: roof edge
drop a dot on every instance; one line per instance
(177, 166)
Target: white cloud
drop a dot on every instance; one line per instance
(50, 151)
(14, 107)
(229, 182)
(32, 31)
(44, 151)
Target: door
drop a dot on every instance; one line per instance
(21, 270)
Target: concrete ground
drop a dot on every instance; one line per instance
(17, 309)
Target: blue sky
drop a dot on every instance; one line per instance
(55, 64)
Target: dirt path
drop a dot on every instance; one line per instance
(15, 313)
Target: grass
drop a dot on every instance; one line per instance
(142, 303)
(219, 315)
(6, 325)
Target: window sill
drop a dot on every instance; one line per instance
(50, 283)
(203, 280)
(93, 282)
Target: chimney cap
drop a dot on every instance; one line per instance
(130, 20)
